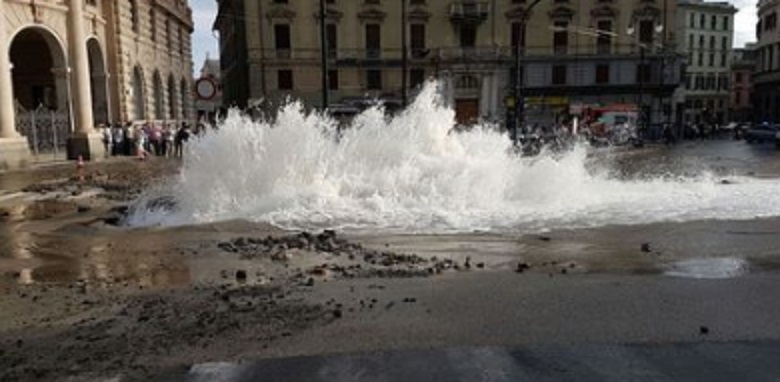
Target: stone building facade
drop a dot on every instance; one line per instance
(766, 79)
(742, 68)
(95, 62)
(574, 52)
(706, 36)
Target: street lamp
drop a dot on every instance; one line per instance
(516, 104)
(642, 117)
(324, 55)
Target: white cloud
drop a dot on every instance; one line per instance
(745, 22)
(203, 40)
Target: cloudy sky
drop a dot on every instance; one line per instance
(204, 41)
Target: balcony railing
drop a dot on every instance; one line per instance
(489, 53)
(464, 10)
(473, 54)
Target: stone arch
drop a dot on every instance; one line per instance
(172, 106)
(98, 81)
(157, 93)
(40, 68)
(139, 100)
(184, 93)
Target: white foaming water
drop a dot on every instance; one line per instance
(412, 173)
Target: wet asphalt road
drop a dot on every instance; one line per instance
(757, 361)
(722, 157)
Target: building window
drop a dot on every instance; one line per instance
(418, 40)
(168, 37)
(692, 21)
(643, 73)
(134, 14)
(284, 79)
(468, 35)
(604, 40)
(701, 41)
(374, 79)
(153, 24)
(559, 75)
(714, 23)
(690, 41)
(723, 59)
(702, 21)
(738, 98)
(181, 41)
(416, 77)
(602, 74)
(333, 79)
(373, 41)
(282, 40)
(518, 35)
(712, 59)
(646, 31)
(738, 77)
(700, 59)
(688, 81)
(724, 43)
(712, 42)
(331, 34)
(726, 23)
(561, 37)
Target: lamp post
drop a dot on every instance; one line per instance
(324, 56)
(515, 108)
(641, 74)
(404, 55)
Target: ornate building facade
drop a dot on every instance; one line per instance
(766, 78)
(574, 53)
(93, 62)
(706, 36)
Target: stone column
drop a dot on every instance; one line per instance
(85, 141)
(14, 150)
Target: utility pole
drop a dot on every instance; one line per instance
(404, 55)
(324, 56)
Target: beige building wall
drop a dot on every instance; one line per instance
(489, 60)
(121, 48)
(158, 47)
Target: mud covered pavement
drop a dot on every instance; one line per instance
(82, 296)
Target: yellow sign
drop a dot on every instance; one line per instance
(550, 101)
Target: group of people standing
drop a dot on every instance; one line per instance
(163, 140)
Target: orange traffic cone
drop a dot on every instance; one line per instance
(80, 168)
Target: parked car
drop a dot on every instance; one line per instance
(763, 133)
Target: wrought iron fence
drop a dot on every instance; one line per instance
(46, 129)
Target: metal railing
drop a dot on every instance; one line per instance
(475, 53)
(46, 130)
(469, 10)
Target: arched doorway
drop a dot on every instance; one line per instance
(39, 69)
(185, 107)
(97, 81)
(172, 114)
(139, 105)
(158, 97)
(41, 91)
